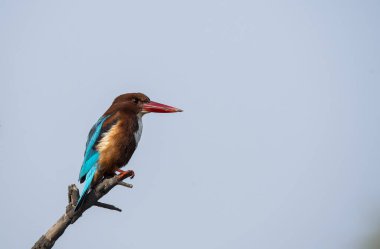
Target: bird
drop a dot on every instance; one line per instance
(114, 138)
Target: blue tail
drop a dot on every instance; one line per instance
(87, 185)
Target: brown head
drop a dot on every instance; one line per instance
(138, 103)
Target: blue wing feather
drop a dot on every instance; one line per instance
(91, 156)
(87, 185)
(87, 165)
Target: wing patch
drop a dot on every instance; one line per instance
(91, 156)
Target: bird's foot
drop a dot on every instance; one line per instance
(124, 174)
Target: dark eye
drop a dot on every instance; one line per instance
(135, 100)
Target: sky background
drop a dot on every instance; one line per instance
(277, 147)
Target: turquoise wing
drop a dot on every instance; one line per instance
(91, 155)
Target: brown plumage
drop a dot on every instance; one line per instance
(117, 145)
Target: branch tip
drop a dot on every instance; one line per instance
(107, 206)
(124, 184)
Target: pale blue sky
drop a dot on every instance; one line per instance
(278, 146)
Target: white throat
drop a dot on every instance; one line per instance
(138, 133)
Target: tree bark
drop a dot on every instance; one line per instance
(70, 216)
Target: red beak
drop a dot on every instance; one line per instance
(157, 107)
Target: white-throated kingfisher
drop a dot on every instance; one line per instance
(114, 138)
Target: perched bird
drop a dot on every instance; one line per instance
(114, 138)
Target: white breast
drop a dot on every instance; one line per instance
(138, 133)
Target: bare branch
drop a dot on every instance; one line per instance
(70, 216)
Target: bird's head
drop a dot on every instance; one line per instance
(139, 103)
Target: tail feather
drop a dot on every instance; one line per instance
(87, 185)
